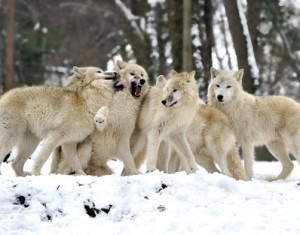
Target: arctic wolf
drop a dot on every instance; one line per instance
(115, 123)
(171, 114)
(55, 115)
(212, 141)
(273, 121)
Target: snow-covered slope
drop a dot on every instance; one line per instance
(154, 203)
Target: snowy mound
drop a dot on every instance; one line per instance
(154, 203)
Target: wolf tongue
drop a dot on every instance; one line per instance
(137, 91)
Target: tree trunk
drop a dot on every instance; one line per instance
(253, 19)
(187, 37)
(9, 53)
(240, 43)
(134, 34)
(175, 19)
(208, 44)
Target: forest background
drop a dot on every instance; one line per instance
(40, 41)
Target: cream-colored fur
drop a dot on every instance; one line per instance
(273, 121)
(57, 115)
(115, 124)
(172, 112)
(212, 141)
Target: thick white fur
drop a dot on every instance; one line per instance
(169, 122)
(57, 115)
(273, 121)
(212, 141)
(115, 123)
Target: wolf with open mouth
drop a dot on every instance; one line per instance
(115, 123)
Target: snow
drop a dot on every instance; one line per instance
(153, 203)
(131, 18)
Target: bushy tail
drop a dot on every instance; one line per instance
(235, 165)
(97, 167)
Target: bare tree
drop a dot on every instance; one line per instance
(187, 37)
(9, 52)
(240, 42)
(254, 9)
(175, 19)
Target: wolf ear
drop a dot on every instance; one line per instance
(79, 70)
(213, 72)
(239, 75)
(120, 64)
(192, 74)
(161, 80)
(173, 72)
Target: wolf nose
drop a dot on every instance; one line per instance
(220, 97)
(142, 81)
(164, 102)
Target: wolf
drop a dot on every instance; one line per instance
(115, 122)
(273, 121)
(52, 114)
(212, 142)
(172, 105)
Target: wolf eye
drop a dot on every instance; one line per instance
(132, 74)
(142, 75)
(174, 90)
(228, 86)
(217, 85)
(99, 71)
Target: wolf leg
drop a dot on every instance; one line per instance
(70, 153)
(248, 156)
(137, 152)
(174, 162)
(153, 144)
(49, 144)
(5, 148)
(25, 149)
(56, 160)
(124, 153)
(101, 118)
(278, 150)
(185, 153)
(164, 154)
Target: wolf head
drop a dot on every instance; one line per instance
(179, 85)
(83, 76)
(133, 75)
(224, 84)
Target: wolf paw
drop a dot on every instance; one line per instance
(101, 118)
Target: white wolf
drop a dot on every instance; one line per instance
(172, 113)
(58, 116)
(115, 122)
(213, 141)
(273, 121)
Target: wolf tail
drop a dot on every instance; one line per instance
(235, 165)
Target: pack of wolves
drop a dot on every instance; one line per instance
(99, 115)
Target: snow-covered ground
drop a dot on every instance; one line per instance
(154, 203)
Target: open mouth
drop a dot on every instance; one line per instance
(110, 75)
(168, 104)
(118, 86)
(173, 103)
(136, 89)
